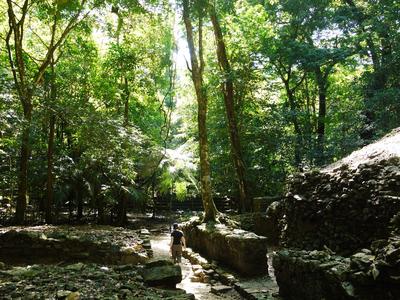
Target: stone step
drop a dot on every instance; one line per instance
(218, 289)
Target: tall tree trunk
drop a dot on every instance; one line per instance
(79, 199)
(25, 93)
(50, 176)
(26, 86)
(228, 94)
(98, 202)
(122, 207)
(322, 90)
(50, 152)
(310, 112)
(23, 167)
(126, 102)
(297, 129)
(210, 209)
(123, 201)
(285, 74)
(197, 67)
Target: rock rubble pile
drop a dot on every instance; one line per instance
(80, 281)
(317, 274)
(344, 210)
(48, 244)
(346, 220)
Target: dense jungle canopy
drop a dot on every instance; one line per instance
(106, 105)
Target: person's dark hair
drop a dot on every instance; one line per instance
(175, 226)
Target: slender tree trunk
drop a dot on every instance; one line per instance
(228, 94)
(322, 90)
(321, 128)
(98, 202)
(25, 93)
(126, 102)
(50, 152)
(50, 176)
(210, 210)
(298, 157)
(25, 86)
(208, 202)
(123, 201)
(79, 200)
(23, 167)
(297, 129)
(122, 207)
(310, 112)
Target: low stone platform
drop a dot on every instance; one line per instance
(52, 244)
(243, 251)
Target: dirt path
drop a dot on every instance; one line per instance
(202, 291)
(261, 287)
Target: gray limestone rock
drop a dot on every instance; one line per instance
(242, 250)
(218, 289)
(161, 273)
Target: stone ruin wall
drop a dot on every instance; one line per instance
(344, 210)
(341, 228)
(243, 251)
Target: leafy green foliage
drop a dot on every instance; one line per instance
(125, 115)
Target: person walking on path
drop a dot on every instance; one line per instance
(176, 244)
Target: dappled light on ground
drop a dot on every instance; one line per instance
(202, 291)
(160, 246)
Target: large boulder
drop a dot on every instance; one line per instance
(161, 273)
(242, 250)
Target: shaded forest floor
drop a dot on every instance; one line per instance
(78, 281)
(78, 262)
(83, 263)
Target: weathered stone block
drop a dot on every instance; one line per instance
(161, 273)
(300, 276)
(242, 250)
